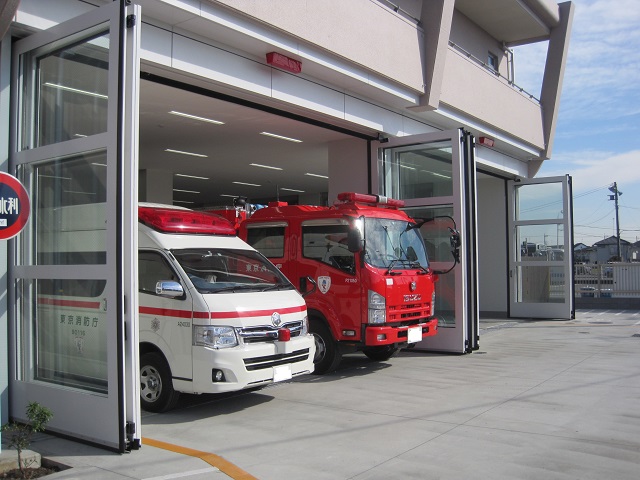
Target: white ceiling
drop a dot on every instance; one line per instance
(229, 148)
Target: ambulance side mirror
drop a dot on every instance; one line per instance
(354, 240)
(167, 288)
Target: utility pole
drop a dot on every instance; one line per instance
(616, 194)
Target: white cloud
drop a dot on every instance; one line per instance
(603, 63)
(593, 169)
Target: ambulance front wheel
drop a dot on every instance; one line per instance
(156, 388)
(327, 355)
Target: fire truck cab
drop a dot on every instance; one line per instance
(362, 267)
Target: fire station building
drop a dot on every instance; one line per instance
(196, 102)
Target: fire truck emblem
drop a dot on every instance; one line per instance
(324, 284)
(413, 286)
(275, 319)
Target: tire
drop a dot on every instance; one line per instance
(156, 387)
(327, 355)
(381, 353)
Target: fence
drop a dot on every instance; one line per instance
(612, 280)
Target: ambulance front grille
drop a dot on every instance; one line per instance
(268, 333)
(268, 361)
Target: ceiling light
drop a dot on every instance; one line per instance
(265, 166)
(407, 167)
(291, 190)
(281, 137)
(190, 176)
(195, 117)
(40, 175)
(249, 184)
(75, 90)
(99, 164)
(182, 201)
(185, 191)
(225, 195)
(437, 174)
(316, 175)
(171, 150)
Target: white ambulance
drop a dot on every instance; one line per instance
(215, 315)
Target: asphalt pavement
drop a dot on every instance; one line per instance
(551, 399)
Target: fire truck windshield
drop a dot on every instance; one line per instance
(230, 270)
(391, 244)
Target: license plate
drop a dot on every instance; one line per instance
(414, 334)
(281, 372)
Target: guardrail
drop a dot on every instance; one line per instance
(611, 280)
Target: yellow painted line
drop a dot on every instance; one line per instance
(212, 459)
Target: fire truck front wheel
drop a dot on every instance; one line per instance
(327, 355)
(381, 353)
(156, 387)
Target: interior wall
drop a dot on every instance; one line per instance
(492, 246)
(348, 167)
(155, 186)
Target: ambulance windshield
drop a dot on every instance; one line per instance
(393, 244)
(230, 270)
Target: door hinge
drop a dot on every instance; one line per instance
(131, 21)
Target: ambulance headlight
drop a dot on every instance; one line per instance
(305, 326)
(377, 308)
(216, 337)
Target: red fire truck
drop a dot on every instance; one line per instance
(362, 267)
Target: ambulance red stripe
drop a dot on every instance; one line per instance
(167, 312)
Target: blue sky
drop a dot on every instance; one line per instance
(598, 130)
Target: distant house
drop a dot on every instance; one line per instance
(583, 253)
(634, 252)
(607, 250)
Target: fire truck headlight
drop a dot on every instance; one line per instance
(377, 308)
(305, 326)
(216, 337)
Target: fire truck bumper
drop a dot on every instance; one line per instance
(388, 334)
(250, 365)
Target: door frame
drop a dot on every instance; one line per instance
(463, 336)
(517, 262)
(118, 425)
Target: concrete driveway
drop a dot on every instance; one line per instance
(539, 400)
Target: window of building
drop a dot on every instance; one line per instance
(492, 61)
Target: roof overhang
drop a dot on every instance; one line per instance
(514, 22)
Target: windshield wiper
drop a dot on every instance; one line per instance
(276, 286)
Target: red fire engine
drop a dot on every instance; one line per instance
(362, 267)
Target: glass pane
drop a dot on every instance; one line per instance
(72, 91)
(539, 201)
(417, 171)
(540, 242)
(69, 215)
(71, 333)
(539, 284)
(446, 301)
(436, 238)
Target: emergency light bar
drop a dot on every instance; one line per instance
(169, 220)
(370, 199)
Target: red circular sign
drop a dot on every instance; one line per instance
(14, 206)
